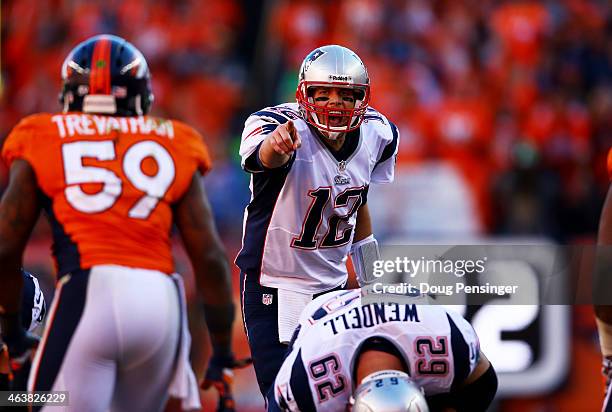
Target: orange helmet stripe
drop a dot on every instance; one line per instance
(99, 78)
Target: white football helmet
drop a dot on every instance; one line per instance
(333, 66)
(388, 391)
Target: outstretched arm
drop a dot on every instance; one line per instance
(277, 148)
(19, 210)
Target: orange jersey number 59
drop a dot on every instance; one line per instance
(153, 187)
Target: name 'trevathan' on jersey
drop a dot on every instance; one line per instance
(108, 184)
(439, 348)
(321, 187)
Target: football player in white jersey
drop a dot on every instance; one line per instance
(342, 344)
(15, 359)
(311, 165)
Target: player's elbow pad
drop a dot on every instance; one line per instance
(363, 254)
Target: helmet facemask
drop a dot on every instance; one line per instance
(320, 116)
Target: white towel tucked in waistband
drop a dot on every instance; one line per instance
(290, 306)
(184, 384)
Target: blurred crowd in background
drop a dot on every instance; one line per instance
(504, 107)
(513, 97)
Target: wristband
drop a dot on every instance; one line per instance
(364, 253)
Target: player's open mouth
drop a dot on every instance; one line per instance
(336, 118)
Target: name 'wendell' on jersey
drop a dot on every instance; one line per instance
(108, 184)
(369, 315)
(438, 347)
(323, 188)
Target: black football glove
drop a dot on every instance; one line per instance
(21, 349)
(220, 375)
(21, 343)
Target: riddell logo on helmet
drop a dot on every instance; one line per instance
(341, 78)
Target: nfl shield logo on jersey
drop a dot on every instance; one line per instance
(266, 298)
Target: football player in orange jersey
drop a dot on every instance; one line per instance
(112, 181)
(603, 313)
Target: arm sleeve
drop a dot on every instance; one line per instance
(384, 169)
(475, 397)
(252, 163)
(478, 395)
